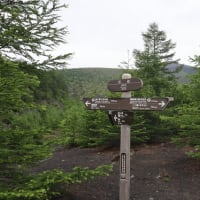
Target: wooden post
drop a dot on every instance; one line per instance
(124, 189)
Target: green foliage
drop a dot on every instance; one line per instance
(20, 148)
(17, 144)
(156, 44)
(99, 130)
(96, 130)
(53, 83)
(89, 82)
(72, 124)
(24, 195)
(187, 116)
(151, 64)
(24, 136)
(49, 184)
(195, 153)
(29, 131)
(194, 85)
(188, 120)
(153, 60)
(196, 60)
(139, 132)
(25, 127)
(29, 29)
(15, 87)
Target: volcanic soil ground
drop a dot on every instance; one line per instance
(158, 172)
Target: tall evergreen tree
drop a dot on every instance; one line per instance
(153, 60)
(151, 64)
(195, 79)
(29, 31)
(188, 113)
(156, 44)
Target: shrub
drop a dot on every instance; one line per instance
(49, 184)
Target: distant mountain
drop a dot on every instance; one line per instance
(86, 82)
(185, 71)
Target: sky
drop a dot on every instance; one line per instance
(103, 33)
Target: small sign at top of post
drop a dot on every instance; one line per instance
(125, 85)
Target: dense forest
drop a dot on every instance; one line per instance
(41, 101)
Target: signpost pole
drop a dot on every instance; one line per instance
(124, 188)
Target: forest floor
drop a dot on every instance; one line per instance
(158, 172)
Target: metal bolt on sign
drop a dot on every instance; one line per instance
(120, 113)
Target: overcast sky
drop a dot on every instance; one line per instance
(101, 32)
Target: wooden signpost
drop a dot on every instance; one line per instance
(125, 155)
(120, 113)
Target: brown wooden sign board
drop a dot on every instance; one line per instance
(126, 104)
(107, 103)
(125, 85)
(149, 103)
(121, 117)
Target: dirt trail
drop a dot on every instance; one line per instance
(158, 172)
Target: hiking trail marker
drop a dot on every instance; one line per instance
(120, 113)
(125, 85)
(120, 117)
(126, 104)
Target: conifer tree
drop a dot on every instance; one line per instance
(151, 64)
(29, 31)
(187, 117)
(153, 60)
(28, 34)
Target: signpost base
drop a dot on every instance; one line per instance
(124, 191)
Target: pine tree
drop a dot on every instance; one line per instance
(29, 31)
(188, 113)
(153, 60)
(151, 64)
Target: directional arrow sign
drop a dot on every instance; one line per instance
(122, 104)
(125, 85)
(149, 103)
(121, 117)
(108, 103)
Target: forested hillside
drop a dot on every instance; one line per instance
(90, 81)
